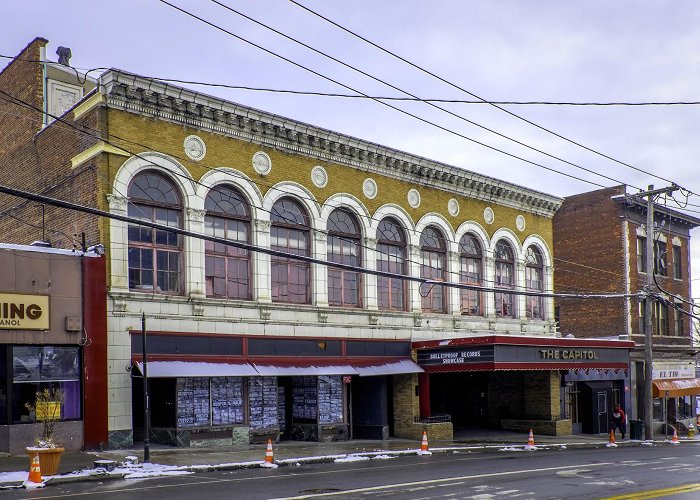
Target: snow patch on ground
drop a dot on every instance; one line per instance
(13, 477)
(352, 458)
(382, 457)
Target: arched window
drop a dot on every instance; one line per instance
(505, 278)
(534, 281)
(344, 248)
(391, 257)
(155, 255)
(470, 272)
(227, 267)
(290, 232)
(432, 266)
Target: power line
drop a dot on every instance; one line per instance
(462, 89)
(98, 135)
(291, 256)
(433, 105)
(384, 98)
(412, 115)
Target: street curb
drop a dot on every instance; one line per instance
(286, 462)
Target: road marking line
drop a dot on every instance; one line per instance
(663, 492)
(434, 481)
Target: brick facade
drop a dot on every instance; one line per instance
(596, 240)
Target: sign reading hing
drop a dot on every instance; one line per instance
(24, 312)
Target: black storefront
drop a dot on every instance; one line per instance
(520, 382)
(213, 390)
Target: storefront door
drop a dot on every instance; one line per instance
(602, 409)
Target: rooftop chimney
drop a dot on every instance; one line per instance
(64, 55)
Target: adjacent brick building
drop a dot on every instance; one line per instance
(599, 242)
(245, 344)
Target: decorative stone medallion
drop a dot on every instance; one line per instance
(413, 198)
(195, 149)
(369, 188)
(520, 223)
(262, 163)
(488, 215)
(319, 176)
(453, 207)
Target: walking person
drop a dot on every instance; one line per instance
(619, 420)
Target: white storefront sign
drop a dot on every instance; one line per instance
(671, 369)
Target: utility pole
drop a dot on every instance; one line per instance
(146, 409)
(648, 323)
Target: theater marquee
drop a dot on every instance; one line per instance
(24, 312)
(508, 353)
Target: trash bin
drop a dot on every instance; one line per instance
(636, 429)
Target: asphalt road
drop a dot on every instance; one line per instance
(647, 472)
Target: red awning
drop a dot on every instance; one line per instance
(675, 388)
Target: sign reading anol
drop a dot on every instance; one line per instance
(24, 312)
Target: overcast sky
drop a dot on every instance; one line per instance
(556, 51)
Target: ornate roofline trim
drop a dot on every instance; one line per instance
(661, 211)
(140, 95)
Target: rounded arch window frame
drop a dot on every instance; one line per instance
(174, 278)
(385, 282)
(340, 276)
(439, 254)
(471, 301)
(505, 304)
(292, 265)
(534, 305)
(231, 257)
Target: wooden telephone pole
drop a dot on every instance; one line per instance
(648, 309)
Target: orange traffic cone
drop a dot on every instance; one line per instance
(35, 470)
(424, 442)
(424, 445)
(674, 439)
(530, 441)
(269, 456)
(611, 440)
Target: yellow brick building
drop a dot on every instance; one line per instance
(298, 283)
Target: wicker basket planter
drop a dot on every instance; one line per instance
(49, 459)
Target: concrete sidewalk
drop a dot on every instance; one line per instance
(481, 440)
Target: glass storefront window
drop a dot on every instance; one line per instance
(35, 368)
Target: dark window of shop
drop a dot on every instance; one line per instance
(660, 258)
(155, 255)
(470, 272)
(505, 279)
(227, 267)
(391, 257)
(678, 325)
(344, 248)
(433, 259)
(677, 263)
(534, 281)
(35, 368)
(660, 316)
(641, 254)
(291, 278)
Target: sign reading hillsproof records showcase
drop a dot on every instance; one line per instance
(455, 356)
(24, 312)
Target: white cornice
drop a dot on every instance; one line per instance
(146, 96)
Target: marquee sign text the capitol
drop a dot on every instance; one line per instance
(449, 358)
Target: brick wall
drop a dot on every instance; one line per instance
(588, 234)
(38, 161)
